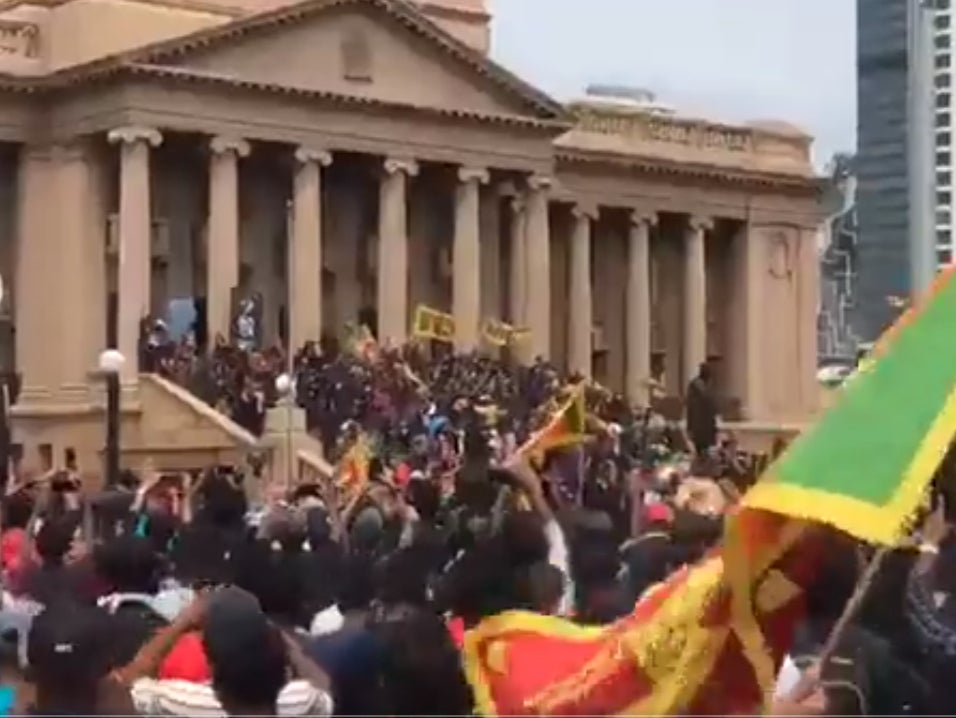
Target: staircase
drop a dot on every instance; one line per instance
(159, 421)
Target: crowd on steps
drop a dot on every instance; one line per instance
(470, 491)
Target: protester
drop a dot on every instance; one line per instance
(357, 595)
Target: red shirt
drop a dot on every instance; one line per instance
(187, 661)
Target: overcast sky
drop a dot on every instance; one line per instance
(727, 59)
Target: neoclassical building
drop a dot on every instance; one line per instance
(348, 160)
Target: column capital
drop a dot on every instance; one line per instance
(643, 217)
(518, 203)
(305, 155)
(401, 164)
(222, 144)
(700, 223)
(585, 210)
(473, 174)
(540, 182)
(132, 134)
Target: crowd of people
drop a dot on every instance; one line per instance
(171, 595)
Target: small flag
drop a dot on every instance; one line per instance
(566, 427)
(354, 467)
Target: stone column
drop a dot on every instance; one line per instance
(393, 249)
(222, 262)
(695, 296)
(518, 269)
(638, 321)
(581, 303)
(135, 233)
(538, 239)
(808, 278)
(466, 259)
(305, 252)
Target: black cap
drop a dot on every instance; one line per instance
(69, 642)
(234, 624)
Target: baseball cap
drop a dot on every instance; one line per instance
(658, 513)
(234, 624)
(69, 642)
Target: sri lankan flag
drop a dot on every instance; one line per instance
(865, 467)
(710, 640)
(353, 468)
(566, 427)
(678, 652)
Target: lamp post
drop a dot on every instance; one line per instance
(285, 386)
(111, 364)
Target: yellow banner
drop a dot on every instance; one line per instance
(432, 324)
(499, 333)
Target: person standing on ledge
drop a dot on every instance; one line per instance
(701, 411)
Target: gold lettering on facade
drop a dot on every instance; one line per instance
(724, 139)
(669, 130)
(19, 38)
(606, 124)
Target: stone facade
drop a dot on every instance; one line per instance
(353, 158)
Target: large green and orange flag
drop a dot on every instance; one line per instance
(865, 466)
(710, 640)
(678, 652)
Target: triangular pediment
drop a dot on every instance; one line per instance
(382, 50)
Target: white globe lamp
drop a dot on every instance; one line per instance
(111, 364)
(284, 384)
(111, 361)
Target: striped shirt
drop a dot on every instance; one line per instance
(183, 698)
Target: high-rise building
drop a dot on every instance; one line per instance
(943, 50)
(881, 162)
(836, 337)
(884, 250)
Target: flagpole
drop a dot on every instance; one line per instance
(806, 685)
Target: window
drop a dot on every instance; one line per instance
(942, 119)
(941, 22)
(942, 236)
(942, 216)
(943, 99)
(942, 139)
(942, 4)
(941, 42)
(942, 81)
(943, 159)
(942, 179)
(944, 199)
(942, 61)
(944, 256)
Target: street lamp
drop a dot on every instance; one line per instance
(285, 387)
(111, 364)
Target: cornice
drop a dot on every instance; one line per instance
(795, 183)
(192, 5)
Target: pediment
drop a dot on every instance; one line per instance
(380, 50)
